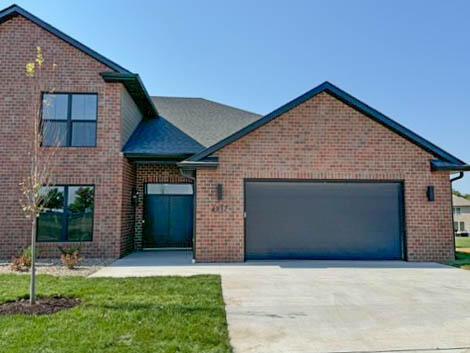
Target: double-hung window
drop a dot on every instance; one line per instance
(67, 213)
(69, 120)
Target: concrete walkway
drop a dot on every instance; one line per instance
(330, 306)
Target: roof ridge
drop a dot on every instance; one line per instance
(232, 107)
(211, 101)
(178, 97)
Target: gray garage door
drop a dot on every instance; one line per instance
(331, 220)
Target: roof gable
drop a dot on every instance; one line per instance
(345, 98)
(15, 10)
(130, 80)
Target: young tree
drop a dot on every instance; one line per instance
(39, 176)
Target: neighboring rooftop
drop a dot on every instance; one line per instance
(458, 201)
(205, 121)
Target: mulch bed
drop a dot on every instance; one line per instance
(43, 306)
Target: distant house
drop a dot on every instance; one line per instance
(461, 209)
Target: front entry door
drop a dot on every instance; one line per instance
(168, 215)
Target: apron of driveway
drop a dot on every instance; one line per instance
(329, 306)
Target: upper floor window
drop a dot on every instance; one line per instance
(69, 120)
(457, 210)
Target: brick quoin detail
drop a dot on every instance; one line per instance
(323, 138)
(152, 173)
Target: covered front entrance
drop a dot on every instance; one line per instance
(168, 216)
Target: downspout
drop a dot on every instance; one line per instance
(460, 176)
(191, 174)
(457, 177)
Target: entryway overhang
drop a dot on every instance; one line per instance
(208, 162)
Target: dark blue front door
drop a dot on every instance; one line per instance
(168, 212)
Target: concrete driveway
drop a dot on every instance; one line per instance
(331, 306)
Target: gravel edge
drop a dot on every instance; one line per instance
(54, 267)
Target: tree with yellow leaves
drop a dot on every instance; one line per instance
(39, 178)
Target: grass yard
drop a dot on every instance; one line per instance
(462, 257)
(462, 260)
(159, 314)
(462, 242)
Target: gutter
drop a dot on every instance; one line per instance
(156, 157)
(205, 163)
(460, 176)
(136, 89)
(438, 165)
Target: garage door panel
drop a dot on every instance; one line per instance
(323, 220)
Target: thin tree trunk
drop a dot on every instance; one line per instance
(32, 291)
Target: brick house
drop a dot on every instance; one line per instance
(461, 207)
(324, 176)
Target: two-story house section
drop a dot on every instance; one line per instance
(461, 207)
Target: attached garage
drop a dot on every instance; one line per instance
(323, 220)
(324, 176)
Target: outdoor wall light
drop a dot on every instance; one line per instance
(430, 193)
(134, 196)
(220, 192)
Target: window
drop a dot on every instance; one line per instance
(457, 210)
(69, 120)
(67, 214)
(456, 226)
(462, 226)
(169, 189)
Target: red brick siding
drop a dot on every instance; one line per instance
(152, 173)
(103, 166)
(127, 208)
(322, 139)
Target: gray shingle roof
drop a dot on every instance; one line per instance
(185, 126)
(205, 121)
(158, 137)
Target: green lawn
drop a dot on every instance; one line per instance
(462, 260)
(159, 314)
(462, 242)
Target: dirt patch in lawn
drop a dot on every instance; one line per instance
(465, 250)
(43, 306)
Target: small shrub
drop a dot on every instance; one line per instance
(22, 262)
(70, 257)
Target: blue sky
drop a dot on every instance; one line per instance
(408, 59)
